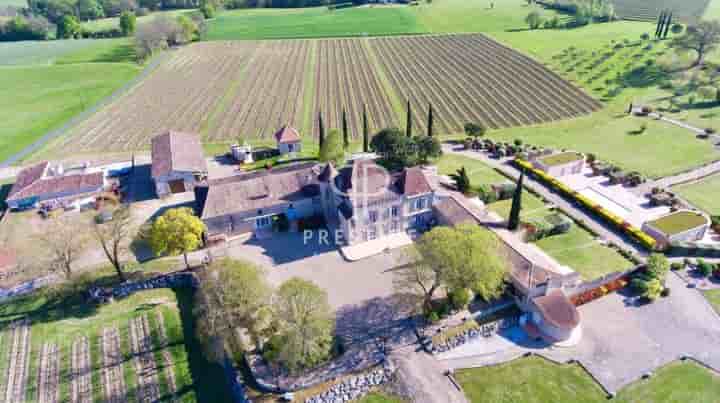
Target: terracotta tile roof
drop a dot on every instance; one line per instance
(414, 182)
(557, 310)
(8, 259)
(249, 193)
(175, 151)
(27, 177)
(287, 134)
(452, 212)
(66, 185)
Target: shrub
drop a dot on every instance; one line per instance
(676, 266)
(665, 292)
(645, 36)
(433, 317)
(704, 268)
(460, 298)
(639, 285)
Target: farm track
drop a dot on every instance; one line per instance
(167, 356)
(17, 370)
(144, 360)
(81, 375)
(49, 374)
(249, 89)
(112, 372)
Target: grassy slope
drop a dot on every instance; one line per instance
(45, 52)
(704, 194)
(663, 149)
(439, 17)
(35, 99)
(378, 397)
(714, 297)
(713, 10)
(114, 22)
(312, 22)
(534, 380)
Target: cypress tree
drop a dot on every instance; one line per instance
(667, 25)
(658, 27)
(514, 219)
(430, 122)
(346, 135)
(366, 136)
(321, 130)
(408, 125)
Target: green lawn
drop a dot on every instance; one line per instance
(532, 206)
(535, 380)
(704, 194)
(714, 297)
(478, 172)
(379, 397)
(438, 17)
(45, 52)
(579, 250)
(103, 24)
(37, 99)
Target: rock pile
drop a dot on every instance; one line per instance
(355, 387)
(456, 341)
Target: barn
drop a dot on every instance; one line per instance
(178, 163)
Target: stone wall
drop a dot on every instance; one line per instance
(356, 386)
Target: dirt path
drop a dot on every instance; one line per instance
(16, 376)
(424, 377)
(49, 374)
(81, 378)
(112, 373)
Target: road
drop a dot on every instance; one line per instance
(573, 211)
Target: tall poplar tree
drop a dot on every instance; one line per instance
(321, 130)
(408, 125)
(346, 135)
(366, 135)
(430, 122)
(514, 219)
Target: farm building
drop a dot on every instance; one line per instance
(540, 293)
(178, 163)
(42, 182)
(252, 203)
(288, 140)
(680, 226)
(561, 164)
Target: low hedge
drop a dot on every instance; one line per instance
(636, 233)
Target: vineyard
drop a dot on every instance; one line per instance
(643, 10)
(232, 90)
(140, 358)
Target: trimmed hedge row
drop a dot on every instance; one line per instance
(636, 233)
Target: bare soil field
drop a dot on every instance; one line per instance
(644, 10)
(246, 90)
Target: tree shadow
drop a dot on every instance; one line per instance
(124, 53)
(209, 379)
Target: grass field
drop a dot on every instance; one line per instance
(535, 380)
(713, 296)
(103, 24)
(713, 10)
(379, 397)
(16, 3)
(478, 172)
(36, 99)
(704, 194)
(48, 83)
(440, 16)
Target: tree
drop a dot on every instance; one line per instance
(430, 121)
(474, 130)
(128, 22)
(188, 29)
(345, 132)
(677, 29)
(176, 232)
(453, 258)
(321, 130)
(114, 237)
(408, 123)
(68, 27)
(366, 134)
(702, 38)
(514, 220)
(653, 289)
(426, 148)
(208, 11)
(534, 20)
(462, 180)
(332, 149)
(658, 266)
(395, 149)
(306, 324)
(232, 294)
(667, 26)
(89, 10)
(64, 242)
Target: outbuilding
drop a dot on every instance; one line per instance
(178, 163)
(561, 164)
(288, 140)
(679, 226)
